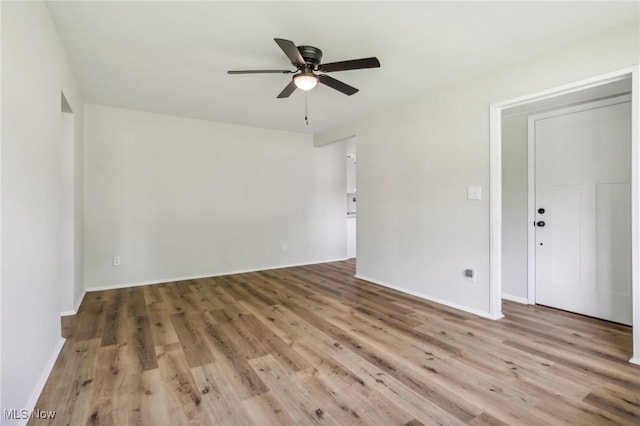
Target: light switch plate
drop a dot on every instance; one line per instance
(474, 192)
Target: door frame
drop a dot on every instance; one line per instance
(531, 178)
(495, 180)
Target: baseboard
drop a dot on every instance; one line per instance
(196, 277)
(433, 299)
(46, 372)
(516, 299)
(76, 307)
(635, 360)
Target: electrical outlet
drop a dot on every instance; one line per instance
(470, 274)
(116, 260)
(285, 246)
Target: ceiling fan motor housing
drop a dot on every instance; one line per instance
(312, 56)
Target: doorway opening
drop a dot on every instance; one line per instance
(579, 253)
(66, 150)
(511, 207)
(351, 196)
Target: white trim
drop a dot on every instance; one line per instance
(76, 307)
(495, 144)
(79, 301)
(431, 298)
(567, 88)
(44, 376)
(582, 107)
(196, 277)
(635, 211)
(1, 231)
(531, 216)
(495, 215)
(516, 299)
(531, 176)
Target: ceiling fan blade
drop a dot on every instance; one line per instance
(289, 48)
(337, 84)
(291, 87)
(261, 72)
(354, 64)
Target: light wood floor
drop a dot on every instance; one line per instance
(312, 345)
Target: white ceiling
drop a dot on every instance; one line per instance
(172, 57)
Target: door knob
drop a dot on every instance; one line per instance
(541, 210)
(540, 223)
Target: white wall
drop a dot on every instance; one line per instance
(514, 206)
(351, 237)
(177, 197)
(416, 230)
(37, 171)
(350, 149)
(78, 207)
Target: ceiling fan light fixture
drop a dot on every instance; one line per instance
(305, 81)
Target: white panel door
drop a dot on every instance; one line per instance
(582, 181)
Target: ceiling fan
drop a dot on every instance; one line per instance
(307, 59)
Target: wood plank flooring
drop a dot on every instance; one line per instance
(313, 345)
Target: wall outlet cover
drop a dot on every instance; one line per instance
(474, 192)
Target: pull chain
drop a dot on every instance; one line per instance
(306, 115)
